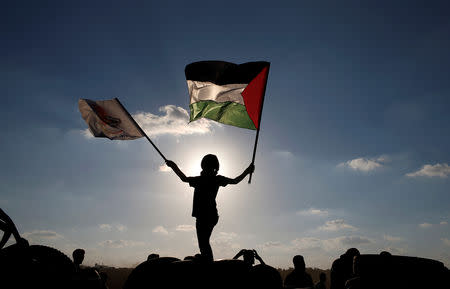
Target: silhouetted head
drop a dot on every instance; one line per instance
(352, 252)
(78, 256)
(299, 263)
(249, 257)
(210, 165)
(385, 254)
(322, 277)
(152, 256)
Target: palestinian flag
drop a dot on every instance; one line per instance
(226, 92)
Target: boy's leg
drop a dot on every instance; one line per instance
(204, 231)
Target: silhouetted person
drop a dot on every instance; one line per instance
(78, 257)
(298, 278)
(152, 256)
(249, 257)
(204, 208)
(342, 269)
(8, 228)
(321, 284)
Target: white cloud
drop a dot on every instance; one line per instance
(226, 243)
(105, 227)
(311, 243)
(121, 228)
(364, 164)
(42, 234)
(437, 170)
(307, 243)
(173, 121)
(336, 225)
(313, 212)
(353, 241)
(86, 133)
(164, 169)
(392, 238)
(109, 227)
(446, 241)
(271, 244)
(121, 243)
(185, 228)
(160, 230)
(443, 223)
(425, 225)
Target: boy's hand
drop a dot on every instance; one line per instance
(171, 164)
(250, 169)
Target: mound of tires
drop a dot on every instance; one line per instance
(35, 267)
(376, 271)
(172, 273)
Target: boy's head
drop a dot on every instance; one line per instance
(299, 263)
(210, 164)
(78, 256)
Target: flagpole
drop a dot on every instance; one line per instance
(140, 129)
(259, 125)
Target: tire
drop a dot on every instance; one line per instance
(38, 266)
(150, 274)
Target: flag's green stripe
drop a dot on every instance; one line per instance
(231, 113)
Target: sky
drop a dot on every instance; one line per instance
(353, 148)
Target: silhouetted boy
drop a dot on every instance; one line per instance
(298, 278)
(204, 208)
(249, 257)
(78, 257)
(342, 269)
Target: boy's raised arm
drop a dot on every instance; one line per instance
(177, 170)
(239, 178)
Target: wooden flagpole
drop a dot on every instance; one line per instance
(140, 129)
(259, 123)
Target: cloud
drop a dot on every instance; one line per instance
(311, 243)
(392, 238)
(353, 241)
(336, 225)
(307, 243)
(271, 244)
(121, 228)
(185, 228)
(226, 243)
(86, 133)
(364, 164)
(105, 227)
(160, 230)
(121, 243)
(437, 170)
(42, 234)
(173, 121)
(443, 223)
(446, 241)
(425, 225)
(109, 227)
(164, 169)
(313, 212)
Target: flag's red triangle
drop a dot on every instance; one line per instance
(253, 95)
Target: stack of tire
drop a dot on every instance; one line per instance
(376, 271)
(170, 272)
(35, 267)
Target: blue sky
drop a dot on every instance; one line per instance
(353, 149)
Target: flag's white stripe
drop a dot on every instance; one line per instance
(199, 90)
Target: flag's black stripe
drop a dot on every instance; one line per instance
(221, 72)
